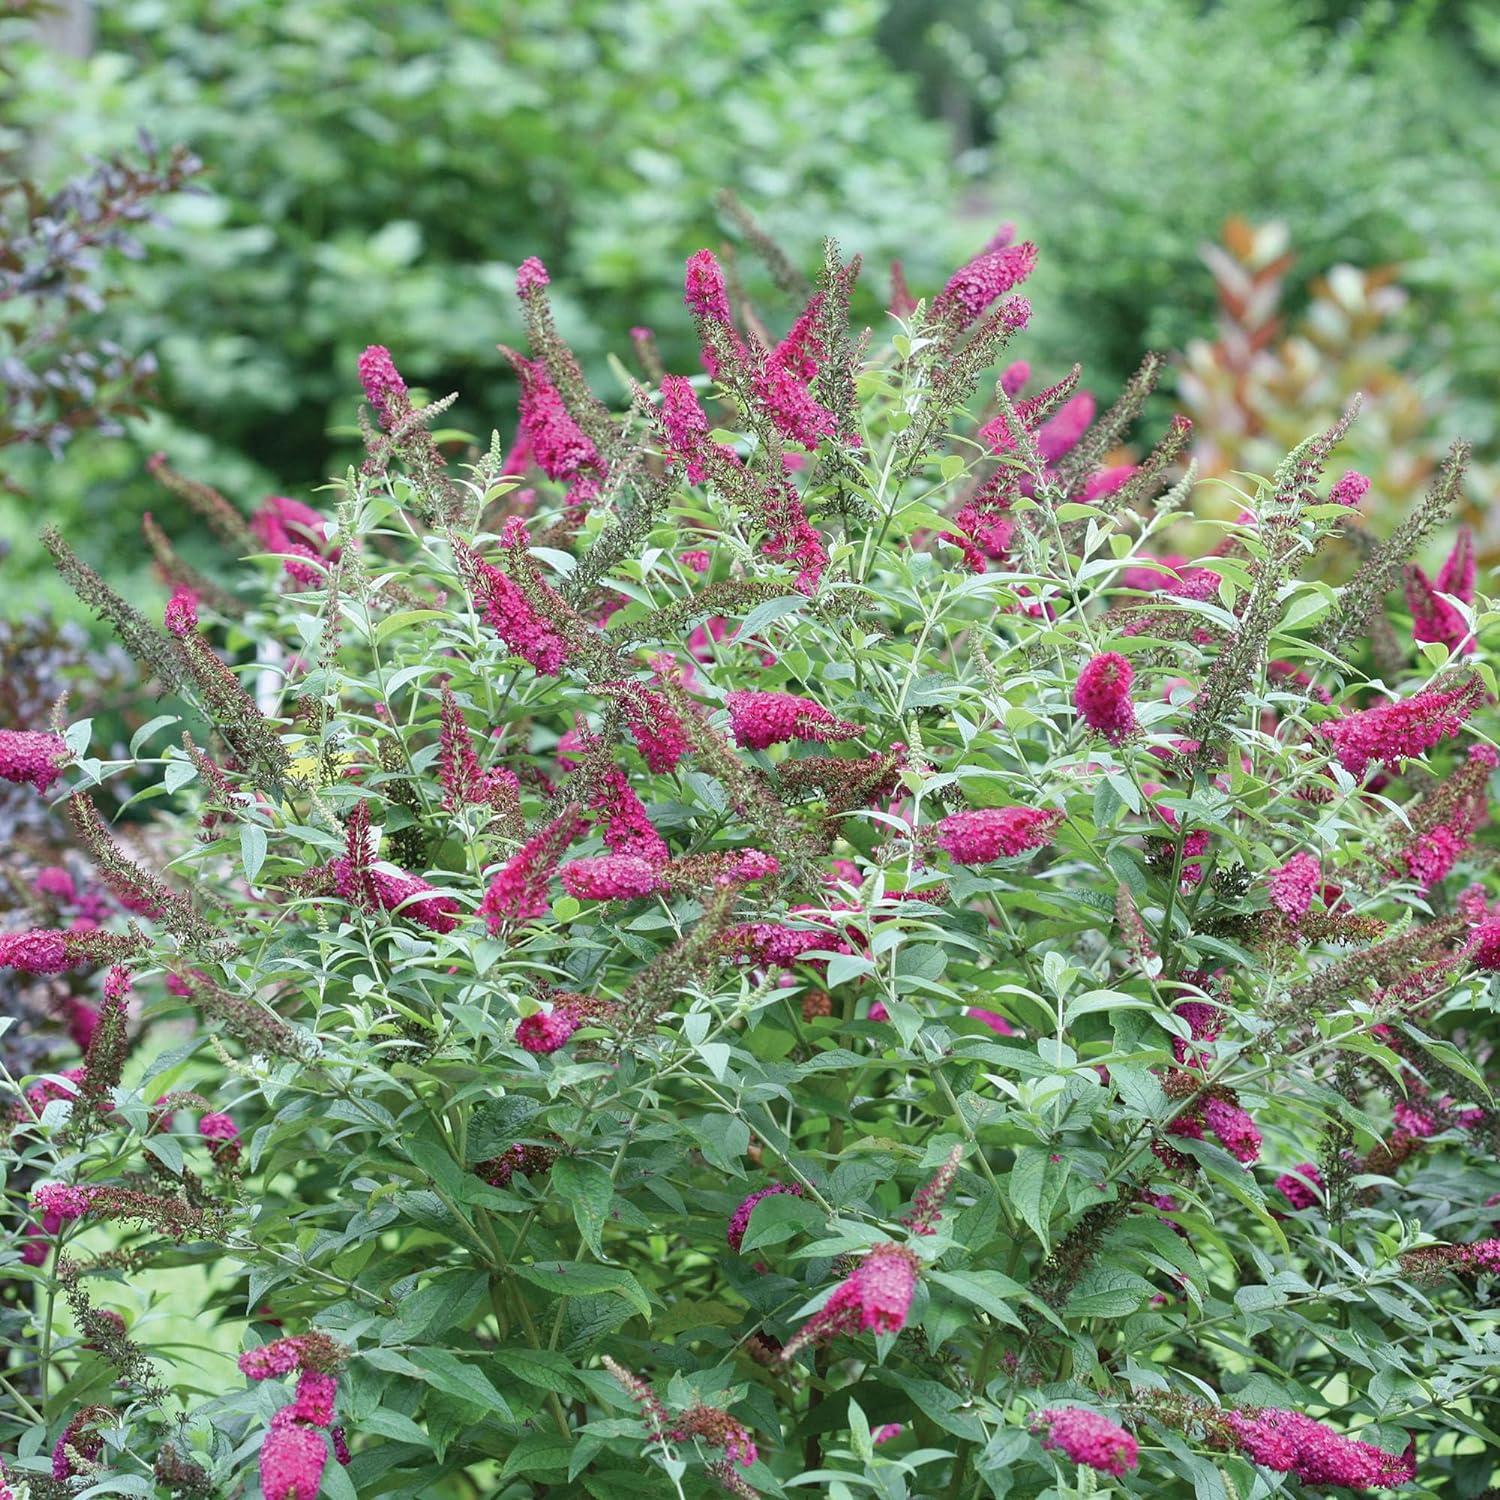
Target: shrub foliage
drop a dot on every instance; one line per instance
(775, 938)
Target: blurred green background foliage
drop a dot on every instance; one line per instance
(375, 171)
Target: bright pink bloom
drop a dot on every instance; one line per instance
(83, 1022)
(181, 614)
(976, 838)
(1403, 729)
(1014, 377)
(1088, 1438)
(1433, 617)
(986, 278)
(508, 612)
(739, 1221)
(1235, 1129)
(885, 1433)
(38, 951)
(223, 1137)
(464, 781)
(1294, 885)
(1456, 576)
(996, 1022)
(531, 275)
(29, 757)
(561, 449)
(518, 892)
(776, 945)
(658, 732)
(611, 877)
(295, 531)
(791, 537)
(704, 290)
(292, 1459)
(627, 827)
(1060, 433)
(1484, 945)
(392, 891)
(56, 1204)
(874, 1297)
(687, 429)
(385, 390)
(82, 1439)
(760, 719)
(1350, 490)
(1106, 482)
(1102, 696)
(55, 885)
(793, 410)
(546, 1031)
(782, 385)
(1292, 1443)
(316, 1390)
(1301, 1186)
(697, 558)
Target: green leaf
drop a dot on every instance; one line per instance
(769, 611)
(987, 1290)
(940, 1404)
(778, 1218)
(542, 1368)
(588, 1189)
(499, 1123)
(540, 1453)
(384, 1422)
(252, 850)
(149, 728)
(576, 1278)
(1036, 1182)
(723, 1140)
(446, 1372)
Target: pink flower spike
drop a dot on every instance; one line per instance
(298, 534)
(1433, 618)
(761, 719)
(1350, 490)
(1087, 1438)
(1301, 1186)
(531, 276)
(985, 279)
(518, 891)
(385, 390)
(1294, 885)
(704, 291)
(1235, 1129)
(1456, 576)
(316, 1390)
(610, 877)
(38, 951)
(1102, 696)
(1403, 728)
(31, 757)
(292, 1459)
(547, 1031)
(874, 1297)
(977, 838)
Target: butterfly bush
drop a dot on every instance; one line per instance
(831, 922)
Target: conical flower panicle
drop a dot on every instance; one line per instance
(874, 1297)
